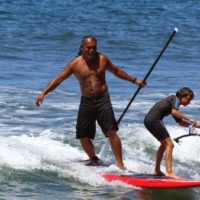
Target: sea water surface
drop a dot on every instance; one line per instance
(38, 149)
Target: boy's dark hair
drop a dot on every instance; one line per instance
(185, 91)
(83, 42)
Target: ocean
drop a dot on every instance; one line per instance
(38, 149)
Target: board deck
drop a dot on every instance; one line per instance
(139, 180)
(149, 181)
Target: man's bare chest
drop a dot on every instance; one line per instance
(85, 72)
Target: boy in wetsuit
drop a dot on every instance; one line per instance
(154, 123)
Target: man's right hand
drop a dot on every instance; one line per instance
(39, 99)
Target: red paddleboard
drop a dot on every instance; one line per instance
(149, 181)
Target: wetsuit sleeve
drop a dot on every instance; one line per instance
(175, 105)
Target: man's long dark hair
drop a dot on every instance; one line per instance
(83, 42)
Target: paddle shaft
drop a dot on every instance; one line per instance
(105, 148)
(147, 75)
(186, 135)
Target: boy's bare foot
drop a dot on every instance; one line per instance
(173, 175)
(158, 173)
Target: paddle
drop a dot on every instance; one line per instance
(105, 148)
(177, 140)
(191, 133)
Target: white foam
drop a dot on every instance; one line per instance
(26, 152)
(42, 139)
(140, 149)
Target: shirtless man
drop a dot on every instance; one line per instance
(89, 68)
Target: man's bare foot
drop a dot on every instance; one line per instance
(121, 166)
(173, 175)
(158, 173)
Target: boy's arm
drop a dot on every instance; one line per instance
(177, 114)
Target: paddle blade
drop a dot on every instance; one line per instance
(191, 129)
(104, 151)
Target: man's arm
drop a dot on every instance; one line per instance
(54, 83)
(123, 75)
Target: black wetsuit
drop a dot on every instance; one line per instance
(153, 120)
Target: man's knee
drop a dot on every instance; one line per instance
(112, 134)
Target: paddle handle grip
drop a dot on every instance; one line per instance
(161, 53)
